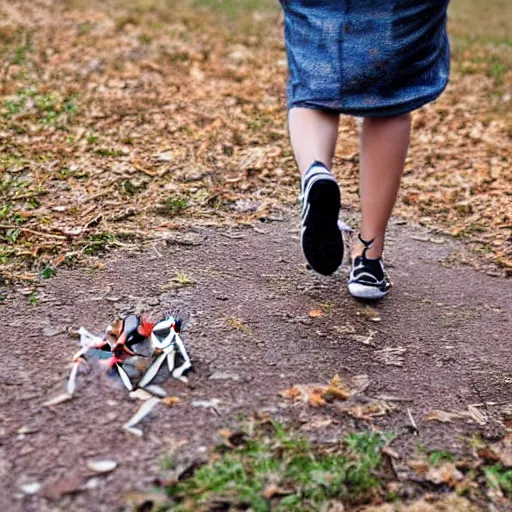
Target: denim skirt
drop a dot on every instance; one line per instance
(369, 58)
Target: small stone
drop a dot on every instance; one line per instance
(224, 376)
(31, 487)
(101, 466)
(52, 330)
(92, 483)
(206, 404)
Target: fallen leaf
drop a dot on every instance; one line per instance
(147, 501)
(386, 450)
(316, 397)
(336, 390)
(291, 393)
(445, 474)
(316, 313)
(273, 490)
(171, 400)
(316, 424)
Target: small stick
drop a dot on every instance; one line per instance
(72, 378)
(34, 232)
(413, 423)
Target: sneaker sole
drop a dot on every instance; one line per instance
(321, 238)
(361, 291)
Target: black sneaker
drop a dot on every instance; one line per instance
(368, 279)
(321, 237)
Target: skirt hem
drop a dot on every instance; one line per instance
(326, 105)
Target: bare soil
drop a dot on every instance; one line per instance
(247, 315)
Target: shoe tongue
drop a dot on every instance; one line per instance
(376, 267)
(373, 265)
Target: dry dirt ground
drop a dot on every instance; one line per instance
(248, 315)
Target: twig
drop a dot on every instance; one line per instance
(34, 232)
(388, 398)
(158, 253)
(413, 423)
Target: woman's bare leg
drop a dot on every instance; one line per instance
(384, 144)
(313, 135)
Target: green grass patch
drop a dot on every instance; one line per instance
(437, 457)
(499, 477)
(47, 108)
(48, 272)
(99, 243)
(174, 206)
(276, 470)
(16, 46)
(234, 9)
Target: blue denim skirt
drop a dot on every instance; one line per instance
(369, 58)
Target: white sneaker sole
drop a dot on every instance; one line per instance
(361, 291)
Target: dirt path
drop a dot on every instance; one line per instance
(247, 315)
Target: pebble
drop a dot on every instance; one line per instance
(52, 330)
(92, 483)
(224, 376)
(101, 466)
(31, 487)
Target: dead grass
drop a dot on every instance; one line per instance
(121, 120)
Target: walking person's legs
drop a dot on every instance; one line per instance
(384, 144)
(313, 135)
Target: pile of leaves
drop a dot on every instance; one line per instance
(123, 121)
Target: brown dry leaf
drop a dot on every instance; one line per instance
(316, 313)
(171, 400)
(472, 414)
(272, 491)
(444, 416)
(419, 466)
(368, 411)
(291, 393)
(500, 452)
(317, 424)
(450, 503)
(445, 474)
(149, 501)
(386, 450)
(337, 390)
(238, 324)
(316, 397)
